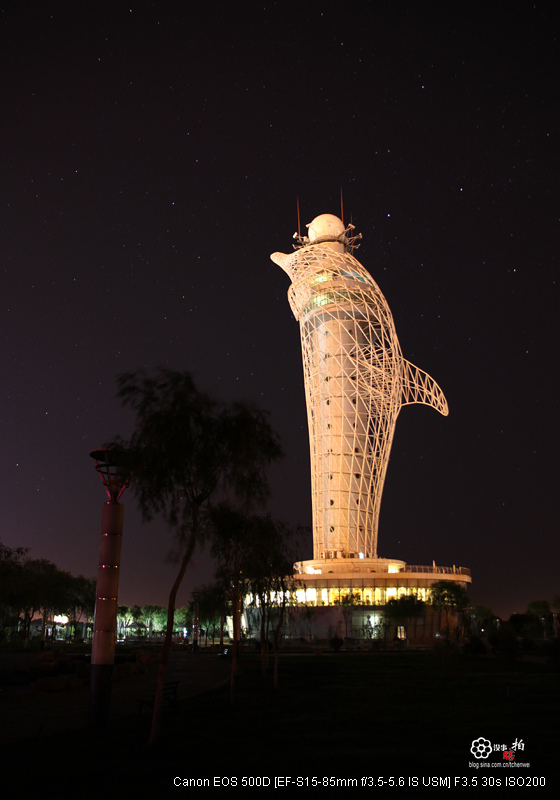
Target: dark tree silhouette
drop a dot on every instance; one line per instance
(403, 609)
(450, 597)
(229, 531)
(11, 595)
(213, 605)
(255, 556)
(187, 450)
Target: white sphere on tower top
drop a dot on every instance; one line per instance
(325, 225)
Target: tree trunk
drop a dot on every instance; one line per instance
(236, 618)
(158, 698)
(264, 641)
(277, 646)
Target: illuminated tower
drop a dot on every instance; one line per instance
(356, 381)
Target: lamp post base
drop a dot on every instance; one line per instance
(100, 696)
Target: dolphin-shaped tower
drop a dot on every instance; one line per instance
(356, 382)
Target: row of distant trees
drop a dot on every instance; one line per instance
(456, 618)
(36, 588)
(150, 620)
(30, 588)
(250, 555)
(254, 559)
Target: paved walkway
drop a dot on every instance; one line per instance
(55, 705)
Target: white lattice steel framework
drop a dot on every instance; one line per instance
(356, 382)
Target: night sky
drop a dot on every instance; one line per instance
(151, 157)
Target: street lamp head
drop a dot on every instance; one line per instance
(110, 464)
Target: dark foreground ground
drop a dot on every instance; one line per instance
(387, 716)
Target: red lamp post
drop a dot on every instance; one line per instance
(115, 480)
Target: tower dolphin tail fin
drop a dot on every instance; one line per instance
(419, 387)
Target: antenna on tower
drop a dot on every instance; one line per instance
(301, 240)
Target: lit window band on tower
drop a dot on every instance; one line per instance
(356, 381)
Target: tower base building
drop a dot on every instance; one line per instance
(351, 594)
(370, 581)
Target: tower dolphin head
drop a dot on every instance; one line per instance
(283, 260)
(326, 230)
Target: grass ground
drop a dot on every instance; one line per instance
(342, 715)
(349, 714)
